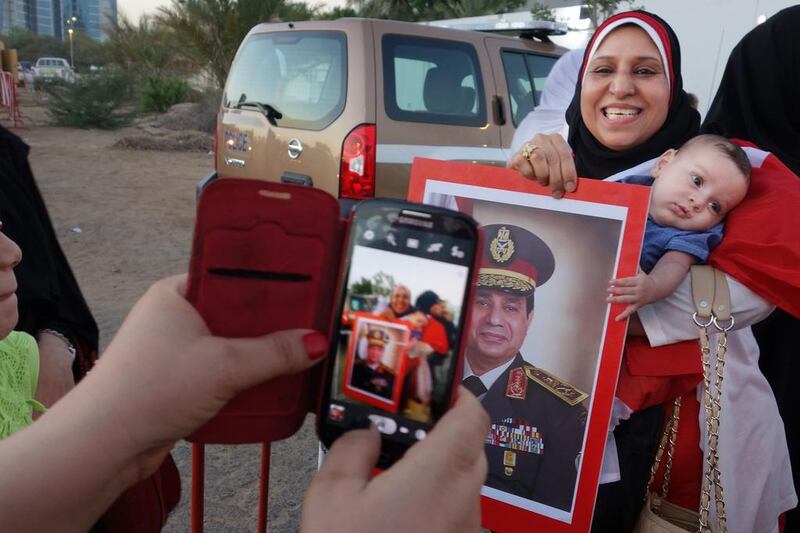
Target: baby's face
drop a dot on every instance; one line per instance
(695, 188)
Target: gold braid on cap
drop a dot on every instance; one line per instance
(498, 278)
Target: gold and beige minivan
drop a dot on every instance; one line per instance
(346, 105)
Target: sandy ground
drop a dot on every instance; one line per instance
(124, 218)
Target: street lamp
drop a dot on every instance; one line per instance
(71, 23)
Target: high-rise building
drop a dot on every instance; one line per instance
(54, 17)
(92, 15)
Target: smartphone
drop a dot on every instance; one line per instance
(396, 352)
(265, 258)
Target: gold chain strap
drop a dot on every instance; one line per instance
(667, 443)
(713, 407)
(718, 314)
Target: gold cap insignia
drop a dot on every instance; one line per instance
(502, 247)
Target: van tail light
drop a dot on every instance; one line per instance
(357, 174)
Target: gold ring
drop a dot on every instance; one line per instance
(528, 149)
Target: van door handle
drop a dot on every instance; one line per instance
(497, 111)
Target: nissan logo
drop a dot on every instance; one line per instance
(295, 148)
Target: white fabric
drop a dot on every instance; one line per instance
(651, 32)
(754, 457)
(487, 378)
(609, 471)
(559, 88)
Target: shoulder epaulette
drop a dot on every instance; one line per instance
(568, 393)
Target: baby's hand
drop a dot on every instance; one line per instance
(636, 291)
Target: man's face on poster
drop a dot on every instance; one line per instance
(499, 325)
(374, 354)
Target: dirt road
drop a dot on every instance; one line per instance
(125, 219)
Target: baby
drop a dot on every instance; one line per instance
(694, 188)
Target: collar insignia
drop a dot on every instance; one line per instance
(517, 384)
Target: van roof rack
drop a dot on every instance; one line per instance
(520, 24)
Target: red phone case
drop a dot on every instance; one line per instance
(265, 257)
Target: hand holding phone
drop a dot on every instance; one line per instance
(403, 303)
(445, 472)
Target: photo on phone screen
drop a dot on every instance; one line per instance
(407, 276)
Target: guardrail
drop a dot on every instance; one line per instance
(8, 98)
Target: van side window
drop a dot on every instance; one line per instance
(301, 74)
(525, 75)
(432, 80)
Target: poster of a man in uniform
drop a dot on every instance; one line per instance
(542, 349)
(376, 362)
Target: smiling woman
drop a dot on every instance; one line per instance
(629, 106)
(625, 90)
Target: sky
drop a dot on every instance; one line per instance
(133, 9)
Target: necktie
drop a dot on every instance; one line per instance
(474, 385)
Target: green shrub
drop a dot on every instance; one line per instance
(159, 94)
(91, 101)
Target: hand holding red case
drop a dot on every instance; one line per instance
(265, 258)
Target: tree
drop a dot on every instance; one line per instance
(336, 13)
(210, 31)
(542, 12)
(599, 10)
(381, 285)
(31, 46)
(414, 10)
(147, 49)
(444, 9)
(87, 51)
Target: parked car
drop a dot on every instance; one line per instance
(53, 67)
(346, 105)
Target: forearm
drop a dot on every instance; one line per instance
(62, 472)
(668, 273)
(55, 369)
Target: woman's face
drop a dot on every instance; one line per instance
(401, 299)
(625, 93)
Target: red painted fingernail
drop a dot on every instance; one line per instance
(316, 345)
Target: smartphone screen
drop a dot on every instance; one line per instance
(406, 280)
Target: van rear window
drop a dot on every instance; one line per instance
(525, 77)
(432, 80)
(301, 75)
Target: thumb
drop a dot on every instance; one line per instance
(350, 462)
(259, 359)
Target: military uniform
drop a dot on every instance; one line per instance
(378, 381)
(537, 426)
(537, 420)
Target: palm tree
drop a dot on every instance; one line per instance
(211, 30)
(474, 8)
(147, 48)
(431, 9)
